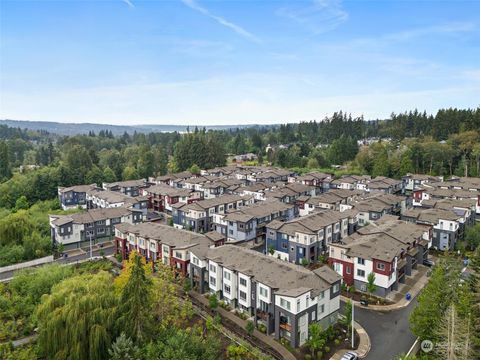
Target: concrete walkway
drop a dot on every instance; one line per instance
(287, 355)
(363, 346)
(414, 290)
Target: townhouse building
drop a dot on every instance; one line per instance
(412, 181)
(220, 187)
(371, 208)
(130, 187)
(320, 181)
(249, 222)
(349, 182)
(158, 242)
(445, 223)
(74, 196)
(390, 248)
(105, 199)
(290, 192)
(198, 216)
(286, 298)
(97, 226)
(330, 200)
(162, 197)
(381, 184)
(306, 238)
(356, 256)
(425, 196)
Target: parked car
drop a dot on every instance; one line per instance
(428, 262)
(350, 356)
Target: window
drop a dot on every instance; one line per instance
(243, 282)
(226, 275)
(360, 273)
(298, 305)
(101, 231)
(285, 304)
(230, 232)
(348, 270)
(213, 281)
(178, 255)
(322, 295)
(195, 261)
(336, 287)
(243, 295)
(361, 261)
(321, 309)
(380, 266)
(226, 289)
(314, 315)
(263, 291)
(213, 268)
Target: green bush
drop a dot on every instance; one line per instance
(337, 342)
(327, 349)
(319, 355)
(308, 357)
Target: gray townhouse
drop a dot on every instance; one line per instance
(74, 196)
(198, 216)
(129, 187)
(249, 223)
(97, 225)
(285, 297)
(446, 225)
(320, 181)
(306, 238)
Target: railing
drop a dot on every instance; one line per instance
(286, 326)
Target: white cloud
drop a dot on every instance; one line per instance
(443, 29)
(319, 17)
(238, 29)
(129, 3)
(241, 99)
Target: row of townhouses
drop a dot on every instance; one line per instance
(286, 298)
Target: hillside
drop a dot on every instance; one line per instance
(84, 128)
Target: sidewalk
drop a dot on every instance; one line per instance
(403, 302)
(287, 355)
(363, 347)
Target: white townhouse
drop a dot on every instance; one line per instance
(286, 298)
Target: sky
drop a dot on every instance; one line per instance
(232, 62)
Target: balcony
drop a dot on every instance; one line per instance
(262, 315)
(286, 326)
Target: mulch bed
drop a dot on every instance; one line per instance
(345, 343)
(357, 296)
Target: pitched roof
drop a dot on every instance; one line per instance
(282, 276)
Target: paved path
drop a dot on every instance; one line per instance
(78, 255)
(287, 355)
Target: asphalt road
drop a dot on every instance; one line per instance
(389, 331)
(69, 260)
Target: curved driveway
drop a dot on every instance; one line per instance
(389, 331)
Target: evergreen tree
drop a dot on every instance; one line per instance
(124, 349)
(134, 314)
(5, 170)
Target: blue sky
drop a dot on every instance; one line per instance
(234, 62)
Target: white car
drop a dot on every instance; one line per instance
(350, 356)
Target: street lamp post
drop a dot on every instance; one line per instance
(353, 321)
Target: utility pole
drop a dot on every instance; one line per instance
(353, 329)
